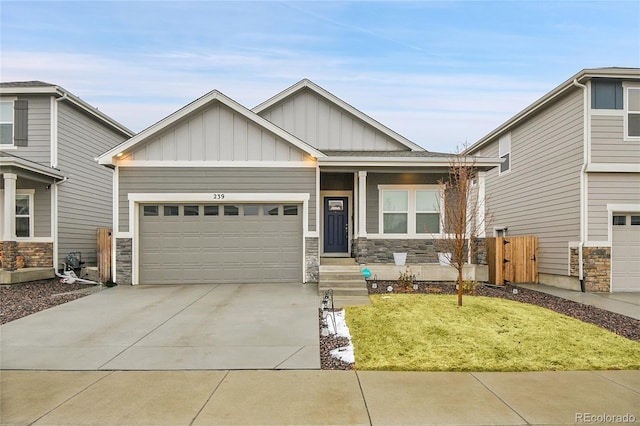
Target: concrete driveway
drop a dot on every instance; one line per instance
(178, 327)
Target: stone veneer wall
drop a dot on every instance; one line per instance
(596, 267)
(36, 255)
(312, 260)
(123, 261)
(381, 251)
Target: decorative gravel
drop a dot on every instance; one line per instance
(617, 323)
(20, 300)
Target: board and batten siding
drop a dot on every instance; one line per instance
(540, 195)
(326, 126)
(608, 188)
(38, 147)
(214, 180)
(216, 133)
(607, 141)
(85, 200)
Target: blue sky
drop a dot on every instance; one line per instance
(439, 73)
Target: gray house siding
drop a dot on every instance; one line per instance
(608, 188)
(540, 195)
(607, 141)
(38, 146)
(209, 180)
(85, 200)
(326, 126)
(41, 207)
(216, 133)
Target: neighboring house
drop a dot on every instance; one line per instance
(216, 192)
(53, 194)
(571, 176)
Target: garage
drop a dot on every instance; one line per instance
(220, 243)
(625, 275)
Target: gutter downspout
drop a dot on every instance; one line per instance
(54, 164)
(583, 186)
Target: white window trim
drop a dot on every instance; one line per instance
(506, 138)
(411, 213)
(31, 194)
(12, 145)
(626, 86)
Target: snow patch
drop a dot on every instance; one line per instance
(341, 329)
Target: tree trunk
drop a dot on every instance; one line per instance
(459, 286)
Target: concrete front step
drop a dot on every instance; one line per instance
(337, 261)
(342, 283)
(334, 276)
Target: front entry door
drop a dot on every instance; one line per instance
(336, 224)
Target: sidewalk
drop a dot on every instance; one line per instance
(621, 303)
(317, 397)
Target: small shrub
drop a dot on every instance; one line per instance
(406, 278)
(469, 286)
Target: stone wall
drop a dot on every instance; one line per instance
(596, 267)
(312, 260)
(381, 251)
(123, 261)
(36, 255)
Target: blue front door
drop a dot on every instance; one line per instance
(336, 225)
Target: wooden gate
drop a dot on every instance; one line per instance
(512, 259)
(105, 241)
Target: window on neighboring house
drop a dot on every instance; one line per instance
(13, 123)
(632, 113)
(24, 220)
(410, 211)
(505, 152)
(606, 93)
(6, 123)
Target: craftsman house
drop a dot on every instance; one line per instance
(571, 176)
(53, 194)
(216, 192)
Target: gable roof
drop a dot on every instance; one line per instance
(308, 84)
(40, 87)
(580, 77)
(211, 97)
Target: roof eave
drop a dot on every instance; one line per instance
(32, 167)
(580, 77)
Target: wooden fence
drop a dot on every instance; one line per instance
(105, 241)
(512, 259)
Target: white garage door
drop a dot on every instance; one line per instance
(625, 252)
(206, 243)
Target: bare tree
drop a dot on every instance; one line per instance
(464, 216)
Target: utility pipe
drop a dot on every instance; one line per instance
(583, 194)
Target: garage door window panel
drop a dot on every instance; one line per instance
(211, 210)
(271, 210)
(171, 210)
(192, 210)
(150, 210)
(231, 210)
(251, 210)
(290, 210)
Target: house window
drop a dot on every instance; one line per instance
(632, 113)
(410, 210)
(6, 123)
(395, 211)
(606, 93)
(505, 152)
(24, 220)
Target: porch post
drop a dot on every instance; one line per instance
(362, 204)
(9, 213)
(9, 223)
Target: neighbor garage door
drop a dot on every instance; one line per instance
(625, 252)
(206, 243)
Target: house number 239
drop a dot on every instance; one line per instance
(218, 196)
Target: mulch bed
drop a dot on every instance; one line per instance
(619, 324)
(20, 300)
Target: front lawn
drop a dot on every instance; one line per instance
(421, 332)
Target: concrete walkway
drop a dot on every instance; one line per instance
(622, 303)
(317, 397)
(177, 327)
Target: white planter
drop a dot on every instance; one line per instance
(400, 258)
